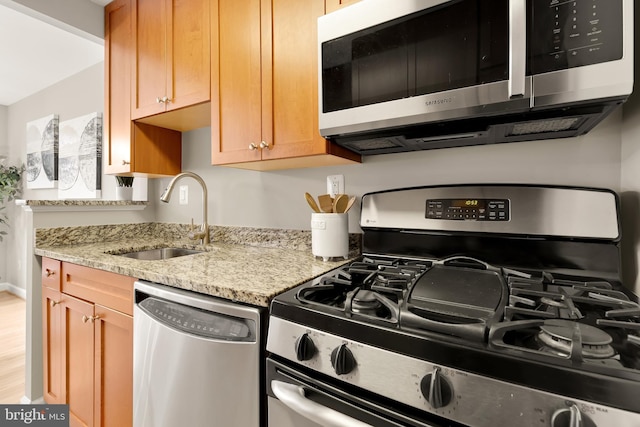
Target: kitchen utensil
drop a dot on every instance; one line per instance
(340, 203)
(326, 203)
(350, 203)
(312, 202)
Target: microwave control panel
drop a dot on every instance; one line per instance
(468, 209)
(573, 33)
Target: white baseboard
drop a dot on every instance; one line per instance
(19, 292)
(26, 401)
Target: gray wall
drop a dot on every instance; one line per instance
(80, 17)
(78, 95)
(4, 151)
(276, 199)
(4, 147)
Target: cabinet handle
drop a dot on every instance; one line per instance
(91, 319)
(160, 100)
(54, 303)
(50, 272)
(166, 99)
(263, 145)
(253, 147)
(125, 163)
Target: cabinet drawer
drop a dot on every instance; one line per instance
(51, 273)
(111, 290)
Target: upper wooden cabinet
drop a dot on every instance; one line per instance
(264, 89)
(333, 5)
(171, 61)
(130, 148)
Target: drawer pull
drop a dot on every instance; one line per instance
(50, 272)
(54, 303)
(91, 319)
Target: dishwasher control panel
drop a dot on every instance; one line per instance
(196, 321)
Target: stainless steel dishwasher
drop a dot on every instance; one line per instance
(197, 360)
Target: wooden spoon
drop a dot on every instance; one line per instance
(312, 202)
(350, 203)
(340, 203)
(326, 203)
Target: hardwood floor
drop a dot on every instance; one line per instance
(12, 339)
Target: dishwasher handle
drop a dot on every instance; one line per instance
(294, 398)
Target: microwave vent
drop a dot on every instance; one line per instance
(377, 144)
(545, 126)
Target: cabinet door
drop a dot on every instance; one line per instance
(265, 87)
(117, 97)
(236, 81)
(339, 4)
(150, 44)
(79, 359)
(189, 53)
(293, 110)
(172, 55)
(113, 368)
(52, 346)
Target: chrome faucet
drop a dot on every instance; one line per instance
(203, 234)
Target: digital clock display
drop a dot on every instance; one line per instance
(468, 203)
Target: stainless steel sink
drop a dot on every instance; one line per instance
(160, 253)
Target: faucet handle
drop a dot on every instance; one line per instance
(196, 235)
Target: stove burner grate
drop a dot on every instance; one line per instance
(370, 287)
(571, 338)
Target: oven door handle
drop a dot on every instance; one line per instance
(294, 398)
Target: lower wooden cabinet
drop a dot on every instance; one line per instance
(113, 352)
(88, 346)
(54, 381)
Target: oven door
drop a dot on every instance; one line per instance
(297, 400)
(388, 64)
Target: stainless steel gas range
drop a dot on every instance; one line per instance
(472, 305)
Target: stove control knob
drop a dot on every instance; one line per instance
(436, 389)
(305, 349)
(570, 417)
(342, 360)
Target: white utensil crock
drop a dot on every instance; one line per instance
(330, 235)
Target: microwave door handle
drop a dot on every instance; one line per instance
(293, 397)
(517, 47)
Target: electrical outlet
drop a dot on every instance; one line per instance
(335, 185)
(184, 194)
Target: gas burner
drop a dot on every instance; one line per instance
(564, 336)
(365, 302)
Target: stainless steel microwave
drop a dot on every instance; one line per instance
(408, 75)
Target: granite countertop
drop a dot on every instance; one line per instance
(241, 264)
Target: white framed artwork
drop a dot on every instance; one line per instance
(42, 152)
(80, 158)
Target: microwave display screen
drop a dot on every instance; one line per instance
(458, 44)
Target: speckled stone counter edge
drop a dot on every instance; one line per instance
(244, 265)
(262, 237)
(71, 203)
